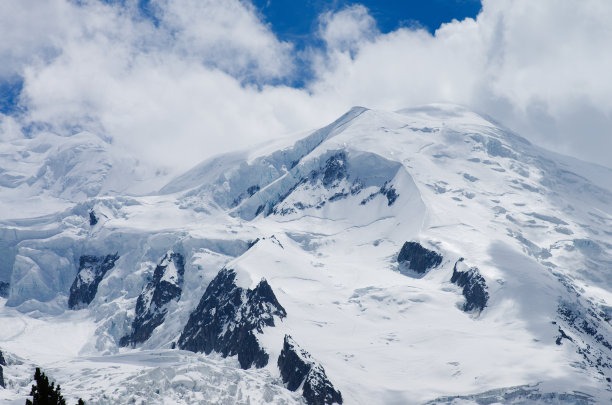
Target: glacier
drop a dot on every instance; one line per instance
(426, 255)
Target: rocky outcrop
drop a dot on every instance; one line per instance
(93, 220)
(152, 303)
(474, 286)
(91, 271)
(2, 363)
(297, 367)
(581, 325)
(415, 257)
(228, 317)
(4, 289)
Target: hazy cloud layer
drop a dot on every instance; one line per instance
(204, 77)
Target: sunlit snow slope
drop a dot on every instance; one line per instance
(292, 291)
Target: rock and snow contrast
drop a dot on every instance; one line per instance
(419, 256)
(227, 317)
(152, 303)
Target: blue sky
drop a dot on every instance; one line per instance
(296, 21)
(217, 74)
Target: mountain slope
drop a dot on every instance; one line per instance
(516, 305)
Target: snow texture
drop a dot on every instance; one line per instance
(330, 212)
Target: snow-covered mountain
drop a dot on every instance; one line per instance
(420, 256)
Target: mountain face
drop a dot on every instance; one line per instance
(227, 318)
(415, 257)
(91, 271)
(419, 256)
(473, 284)
(298, 369)
(152, 303)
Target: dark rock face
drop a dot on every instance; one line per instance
(335, 169)
(332, 181)
(417, 258)
(227, 318)
(252, 190)
(4, 289)
(249, 193)
(91, 271)
(297, 367)
(92, 218)
(474, 286)
(253, 243)
(152, 303)
(2, 363)
(387, 190)
(588, 332)
(520, 394)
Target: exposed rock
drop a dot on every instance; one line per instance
(2, 363)
(389, 192)
(330, 175)
(253, 243)
(588, 332)
(518, 395)
(227, 318)
(91, 271)
(474, 286)
(4, 289)
(335, 169)
(562, 335)
(297, 367)
(417, 258)
(152, 303)
(92, 218)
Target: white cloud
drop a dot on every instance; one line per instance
(542, 68)
(172, 94)
(175, 93)
(347, 29)
(226, 34)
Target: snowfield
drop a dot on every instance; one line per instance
(322, 219)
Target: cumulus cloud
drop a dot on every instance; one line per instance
(174, 92)
(225, 34)
(538, 67)
(347, 29)
(202, 77)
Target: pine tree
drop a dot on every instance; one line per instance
(43, 393)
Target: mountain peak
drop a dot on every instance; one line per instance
(427, 245)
